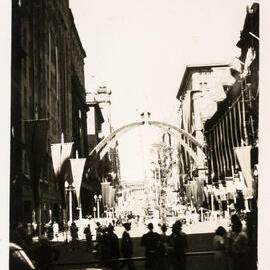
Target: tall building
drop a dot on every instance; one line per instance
(200, 90)
(47, 83)
(232, 132)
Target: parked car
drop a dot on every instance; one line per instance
(18, 260)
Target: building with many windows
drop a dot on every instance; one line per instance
(47, 84)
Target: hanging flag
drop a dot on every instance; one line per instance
(225, 140)
(228, 141)
(232, 129)
(211, 150)
(112, 197)
(218, 150)
(77, 167)
(105, 192)
(60, 153)
(244, 156)
(222, 150)
(36, 147)
(241, 122)
(236, 123)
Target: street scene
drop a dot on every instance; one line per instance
(134, 135)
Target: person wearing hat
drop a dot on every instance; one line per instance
(127, 247)
(178, 243)
(151, 241)
(88, 237)
(112, 247)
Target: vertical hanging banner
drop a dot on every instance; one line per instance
(112, 197)
(60, 153)
(244, 157)
(218, 151)
(36, 146)
(77, 167)
(105, 191)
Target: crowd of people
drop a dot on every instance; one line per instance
(162, 251)
(234, 247)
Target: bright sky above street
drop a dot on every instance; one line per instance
(140, 48)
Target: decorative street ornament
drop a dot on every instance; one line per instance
(77, 167)
(243, 155)
(60, 153)
(105, 191)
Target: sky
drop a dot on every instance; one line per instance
(139, 49)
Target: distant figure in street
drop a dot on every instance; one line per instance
(178, 243)
(56, 230)
(88, 237)
(74, 235)
(112, 246)
(127, 247)
(219, 244)
(151, 241)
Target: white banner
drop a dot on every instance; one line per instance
(77, 166)
(60, 152)
(112, 195)
(244, 158)
(104, 188)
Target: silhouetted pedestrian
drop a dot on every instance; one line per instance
(74, 235)
(88, 237)
(127, 247)
(219, 245)
(238, 246)
(113, 250)
(151, 241)
(163, 263)
(178, 243)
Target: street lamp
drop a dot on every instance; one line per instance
(98, 200)
(69, 188)
(94, 210)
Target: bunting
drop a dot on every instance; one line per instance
(218, 151)
(211, 146)
(229, 141)
(77, 167)
(244, 157)
(221, 145)
(232, 139)
(236, 128)
(60, 153)
(225, 139)
(105, 192)
(240, 123)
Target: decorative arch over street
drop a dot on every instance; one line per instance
(103, 147)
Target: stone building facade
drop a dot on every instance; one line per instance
(47, 83)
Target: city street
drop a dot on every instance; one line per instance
(132, 121)
(199, 237)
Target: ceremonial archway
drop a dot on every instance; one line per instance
(183, 137)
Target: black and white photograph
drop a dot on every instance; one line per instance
(133, 135)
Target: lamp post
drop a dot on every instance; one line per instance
(69, 188)
(94, 210)
(98, 200)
